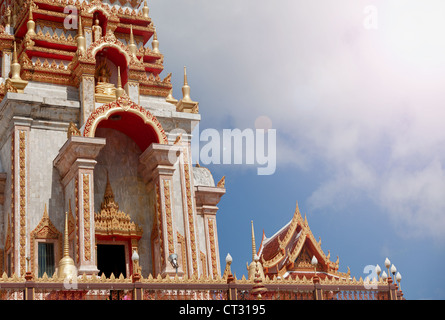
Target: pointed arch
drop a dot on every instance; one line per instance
(138, 123)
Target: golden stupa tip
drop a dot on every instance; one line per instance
(185, 75)
(67, 268)
(80, 32)
(253, 243)
(14, 54)
(131, 35)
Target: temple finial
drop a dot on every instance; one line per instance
(109, 195)
(80, 32)
(185, 76)
(132, 46)
(15, 79)
(253, 243)
(66, 248)
(31, 24)
(67, 267)
(81, 42)
(186, 88)
(145, 10)
(14, 56)
(119, 90)
(155, 43)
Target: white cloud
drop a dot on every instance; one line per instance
(416, 199)
(367, 103)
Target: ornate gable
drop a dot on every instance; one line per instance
(45, 230)
(291, 249)
(110, 222)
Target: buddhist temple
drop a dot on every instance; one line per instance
(87, 127)
(99, 198)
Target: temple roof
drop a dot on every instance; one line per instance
(290, 250)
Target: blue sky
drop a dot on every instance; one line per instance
(354, 90)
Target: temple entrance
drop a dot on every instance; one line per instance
(111, 259)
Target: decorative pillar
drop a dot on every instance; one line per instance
(189, 209)
(75, 163)
(157, 172)
(206, 200)
(20, 195)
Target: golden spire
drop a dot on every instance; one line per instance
(132, 46)
(145, 10)
(31, 24)
(81, 42)
(109, 196)
(253, 243)
(80, 33)
(16, 80)
(186, 104)
(186, 88)
(155, 43)
(67, 267)
(119, 90)
(66, 248)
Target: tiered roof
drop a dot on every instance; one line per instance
(48, 47)
(289, 252)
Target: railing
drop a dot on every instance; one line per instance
(167, 288)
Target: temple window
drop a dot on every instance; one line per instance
(46, 259)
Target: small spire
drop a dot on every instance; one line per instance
(155, 43)
(185, 76)
(31, 24)
(186, 104)
(145, 10)
(253, 243)
(80, 33)
(66, 248)
(119, 91)
(14, 54)
(186, 88)
(109, 195)
(119, 80)
(131, 35)
(45, 212)
(132, 46)
(109, 201)
(15, 66)
(67, 268)
(15, 79)
(81, 42)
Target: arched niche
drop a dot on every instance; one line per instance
(113, 58)
(99, 18)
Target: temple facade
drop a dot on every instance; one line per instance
(99, 198)
(89, 130)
